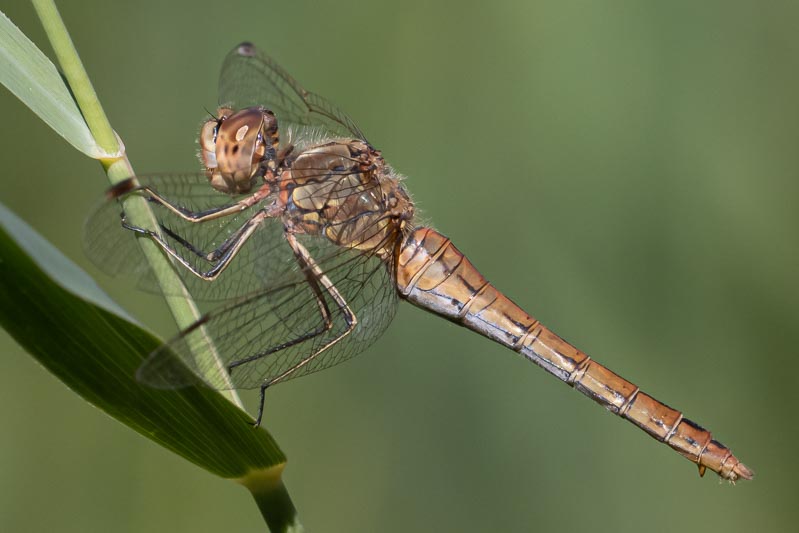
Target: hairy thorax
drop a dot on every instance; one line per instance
(346, 192)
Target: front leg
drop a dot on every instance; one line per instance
(221, 256)
(130, 186)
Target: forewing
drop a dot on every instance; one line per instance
(277, 328)
(251, 78)
(115, 250)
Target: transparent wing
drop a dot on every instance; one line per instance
(279, 326)
(115, 250)
(260, 262)
(250, 78)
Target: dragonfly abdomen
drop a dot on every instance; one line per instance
(434, 275)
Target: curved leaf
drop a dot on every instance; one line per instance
(33, 78)
(45, 305)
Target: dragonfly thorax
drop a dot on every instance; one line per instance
(345, 191)
(236, 148)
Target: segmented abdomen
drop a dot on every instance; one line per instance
(434, 275)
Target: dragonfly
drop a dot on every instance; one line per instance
(301, 240)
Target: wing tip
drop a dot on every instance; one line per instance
(246, 49)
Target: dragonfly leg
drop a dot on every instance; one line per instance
(222, 255)
(313, 272)
(327, 324)
(129, 186)
(327, 319)
(212, 256)
(261, 401)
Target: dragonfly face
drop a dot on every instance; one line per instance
(236, 146)
(305, 269)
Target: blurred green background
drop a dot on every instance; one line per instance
(626, 171)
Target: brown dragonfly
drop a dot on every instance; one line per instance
(303, 244)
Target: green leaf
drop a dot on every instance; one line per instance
(33, 78)
(57, 313)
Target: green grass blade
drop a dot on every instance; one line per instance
(33, 78)
(54, 313)
(59, 315)
(118, 168)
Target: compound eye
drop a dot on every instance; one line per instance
(270, 122)
(208, 135)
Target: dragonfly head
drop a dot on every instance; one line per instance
(236, 148)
